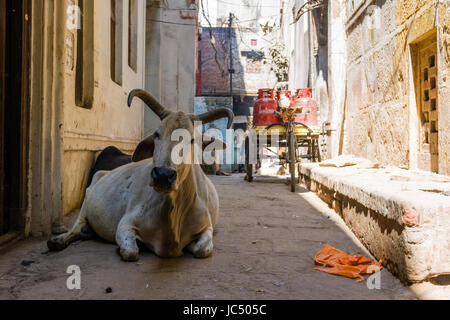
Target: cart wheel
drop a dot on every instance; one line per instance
(248, 165)
(292, 140)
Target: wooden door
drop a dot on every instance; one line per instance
(2, 104)
(14, 111)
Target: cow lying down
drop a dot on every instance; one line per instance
(109, 159)
(167, 207)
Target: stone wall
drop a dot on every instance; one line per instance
(401, 216)
(382, 120)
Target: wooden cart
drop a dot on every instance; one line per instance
(292, 135)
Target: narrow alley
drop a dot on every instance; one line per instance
(225, 149)
(265, 242)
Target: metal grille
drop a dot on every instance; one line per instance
(429, 102)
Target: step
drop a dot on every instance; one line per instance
(401, 216)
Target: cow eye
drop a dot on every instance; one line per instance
(156, 135)
(192, 141)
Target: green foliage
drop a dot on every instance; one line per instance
(277, 57)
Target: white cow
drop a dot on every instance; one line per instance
(168, 207)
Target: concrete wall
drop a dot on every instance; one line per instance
(108, 121)
(171, 56)
(206, 104)
(382, 119)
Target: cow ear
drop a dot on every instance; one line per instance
(218, 144)
(144, 150)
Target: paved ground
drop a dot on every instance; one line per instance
(265, 242)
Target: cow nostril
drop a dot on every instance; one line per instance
(163, 175)
(155, 173)
(172, 176)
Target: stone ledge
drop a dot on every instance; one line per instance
(401, 216)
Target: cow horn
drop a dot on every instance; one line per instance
(216, 115)
(150, 101)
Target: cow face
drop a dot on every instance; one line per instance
(167, 174)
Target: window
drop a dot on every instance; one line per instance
(132, 34)
(84, 72)
(116, 40)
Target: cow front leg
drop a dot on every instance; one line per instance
(126, 240)
(203, 247)
(61, 242)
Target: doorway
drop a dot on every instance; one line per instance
(424, 57)
(14, 60)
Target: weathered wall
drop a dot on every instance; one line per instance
(403, 218)
(171, 56)
(250, 73)
(443, 22)
(206, 104)
(45, 159)
(308, 43)
(381, 108)
(248, 45)
(108, 121)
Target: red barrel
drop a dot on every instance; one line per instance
(264, 109)
(304, 100)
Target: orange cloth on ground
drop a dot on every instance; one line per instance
(344, 264)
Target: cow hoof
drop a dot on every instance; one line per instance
(129, 256)
(203, 252)
(56, 244)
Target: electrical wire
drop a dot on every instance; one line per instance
(247, 5)
(171, 22)
(216, 53)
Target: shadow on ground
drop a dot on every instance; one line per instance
(265, 242)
